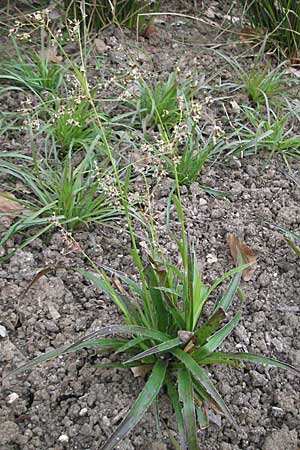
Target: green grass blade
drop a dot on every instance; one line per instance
(209, 326)
(225, 276)
(186, 395)
(106, 287)
(141, 405)
(226, 299)
(258, 359)
(216, 339)
(173, 396)
(157, 297)
(200, 375)
(129, 345)
(84, 341)
(202, 417)
(160, 348)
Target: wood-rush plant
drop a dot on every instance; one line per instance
(32, 72)
(161, 105)
(280, 19)
(100, 13)
(67, 196)
(261, 133)
(189, 156)
(292, 238)
(165, 334)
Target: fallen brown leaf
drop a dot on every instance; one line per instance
(248, 34)
(237, 246)
(8, 204)
(149, 31)
(100, 45)
(51, 55)
(141, 371)
(9, 208)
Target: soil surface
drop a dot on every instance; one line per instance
(70, 404)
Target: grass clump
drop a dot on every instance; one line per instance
(258, 133)
(31, 71)
(279, 19)
(264, 86)
(188, 157)
(165, 335)
(72, 123)
(100, 13)
(63, 195)
(161, 105)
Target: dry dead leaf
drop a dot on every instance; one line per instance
(141, 371)
(118, 285)
(100, 45)
(248, 34)
(51, 55)
(8, 204)
(237, 246)
(149, 31)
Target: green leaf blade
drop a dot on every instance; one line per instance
(186, 395)
(160, 348)
(200, 375)
(140, 406)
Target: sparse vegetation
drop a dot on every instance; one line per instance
(169, 339)
(102, 134)
(280, 20)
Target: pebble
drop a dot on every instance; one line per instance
(3, 331)
(63, 438)
(211, 258)
(83, 412)
(11, 398)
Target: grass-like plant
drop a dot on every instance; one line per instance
(258, 133)
(31, 71)
(263, 85)
(66, 195)
(188, 158)
(100, 13)
(279, 19)
(165, 335)
(71, 123)
(292, 238)
(161, 105)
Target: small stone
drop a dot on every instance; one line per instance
(217, 213)
(11, 398)
(3, 331)
(211, 258)
(106, 421)
(277, 412)
(158, 446)
(202, 202)
(53, 312)
(264, 279)
(184, 335)
(258, 379)
(83, 412)
(215, 419)
(100, 45)
(63, 438)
